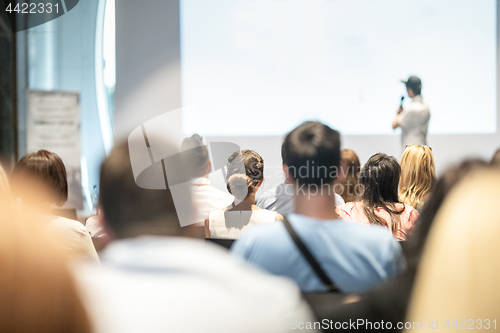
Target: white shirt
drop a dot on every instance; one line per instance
(207, 198)
(74, 237)
(232, 224)
(414, 122)
(281, 199)
(172, 284)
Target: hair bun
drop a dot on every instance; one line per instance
(237, 185)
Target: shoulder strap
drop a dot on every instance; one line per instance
(310, 258)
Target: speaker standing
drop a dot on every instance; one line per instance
(413, 120)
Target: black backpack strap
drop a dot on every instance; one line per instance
(310, 258)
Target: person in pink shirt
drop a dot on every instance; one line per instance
(379, 203)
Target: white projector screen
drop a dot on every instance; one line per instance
(259, 68)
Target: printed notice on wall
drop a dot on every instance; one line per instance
(53, 124)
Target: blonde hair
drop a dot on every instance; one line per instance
(418, 175)
(347, 189)
(37, 290)
(459, 272)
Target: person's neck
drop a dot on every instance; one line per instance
(245, 204)
(317, 206)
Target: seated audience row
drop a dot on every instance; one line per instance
(389, 301)
(381, 193)
(351, 257)
(156, 276)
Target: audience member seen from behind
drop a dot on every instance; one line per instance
(389, 301)
(459, 272)
(349, 187)
(155, 277)
(39, 182)
(206, 198)
(245, 175)
(355, 258)
(379, 202)
(418, 176)
(37, 290)
(414, 120)
(280, 198)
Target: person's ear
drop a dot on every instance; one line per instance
(209, 167)
(342, 172)
(108, 231)
(288, 177)
(259, 184)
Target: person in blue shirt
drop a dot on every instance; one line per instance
(355, 257)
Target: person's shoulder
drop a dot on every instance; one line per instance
(265, 231)
(370, 233)
(270, 193)
(219, 193)
(59, 221)
(346, 209)
(348, 206)
(216, 213)
(260, 237)
(409, 210)
(265, 212)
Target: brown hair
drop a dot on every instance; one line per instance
(42, 171)
(245, 169)
(37, 290)
(348, 187)
(380, 178)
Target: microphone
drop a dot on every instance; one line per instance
(402, 99)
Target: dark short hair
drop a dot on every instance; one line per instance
(127, 206)
(315, 148)
(196, 155)
(45, 171)
(415, 84)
